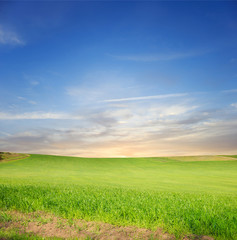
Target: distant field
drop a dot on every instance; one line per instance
(7, 156)
(182, 195)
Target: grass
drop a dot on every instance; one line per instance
(181, 195)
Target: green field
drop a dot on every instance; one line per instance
(182, 195)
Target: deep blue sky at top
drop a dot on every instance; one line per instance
(68, 56)
(77, 37)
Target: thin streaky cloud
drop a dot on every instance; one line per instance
(9, 38)
(147, 97)
(36, 115)
(230, 91)
(157, 57)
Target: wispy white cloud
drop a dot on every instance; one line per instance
(33, 80)
(230, 91)
(8, 37)
(36, 115)
(23, 99)
(34, 83)
(176, 110)
(147, 97)
(32, 102)
(233, 105)
(99, 85)
(157, 57)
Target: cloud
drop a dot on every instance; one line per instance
(9, 38)
(34, 83)
(83, 92)
(147, 97)
(230, 91)
(193, 119)
(233, 105)
(168, 126)
(32, 102)
(175, 110)
(23, 99)
(33, 80)
(196, 117)
(98, 85)
(102, 119)
(36, 115)
(157, 57)
(217, 137)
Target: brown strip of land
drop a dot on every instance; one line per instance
(48, 225)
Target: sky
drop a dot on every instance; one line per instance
(118, 78)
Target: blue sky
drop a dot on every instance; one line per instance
(120, 78)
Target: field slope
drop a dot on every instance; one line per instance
(182, 195)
